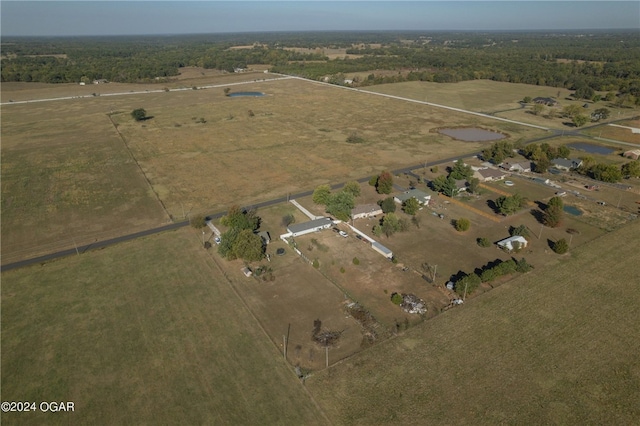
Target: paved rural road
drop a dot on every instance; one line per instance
(217, 215)
(408, 169)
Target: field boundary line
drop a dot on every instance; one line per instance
(287, 364)
(473, 209)
(146, 179)
(464, 111)
(501, 192)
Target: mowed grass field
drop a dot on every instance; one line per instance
(145, 332)
(556, 346)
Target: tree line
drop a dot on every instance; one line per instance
(600, 61)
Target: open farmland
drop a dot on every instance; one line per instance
(555, 346)
(201, 152)
(142, 331)
(67, 179)
(293, 138)
(497, 98)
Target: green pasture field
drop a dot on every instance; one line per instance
(145, 332)
(555, 346)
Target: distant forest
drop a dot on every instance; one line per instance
(598, 60)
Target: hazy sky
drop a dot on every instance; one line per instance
(35, 18)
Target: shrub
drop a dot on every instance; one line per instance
(483, 242)
(198, 221)
(462, 225)
(522, 266)
(342, 270)
(561, 246)
(356, 261)
(315, 263)
(397, 299)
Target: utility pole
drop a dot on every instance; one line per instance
(435, 268)
(284, 343)
(326, 351)
(75, 246)
(540, 233)
(203, 238)
(464, 296)
(619, 199)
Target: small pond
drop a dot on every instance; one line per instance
(250, 94)
(593, 149)
(572, 210)
(472, 134)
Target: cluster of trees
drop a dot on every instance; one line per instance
(383, 182)
(390, 224)
(542, 154)
(508, 205)
(447, 184)
(240, 241)
(468, 283)
(498, 151)
(338, 204)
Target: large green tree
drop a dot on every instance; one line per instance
(461, 170)
(388, 205)
(321, 194)
(445, 185)
(411, 206)
(508, 205)
(139, 114)
(248, 246)
(352, 187)
(384, 184)
(631, 169)
(340, 205)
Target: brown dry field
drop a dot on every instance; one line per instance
(554, 346)
(144, 330)
(68, 179)
(295, 140)
(617, 133)
(494, 97)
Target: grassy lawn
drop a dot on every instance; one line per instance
(142, 331)
(554, 346)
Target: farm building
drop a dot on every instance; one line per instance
(246, 271)
(382, 249)
(564, 164)
(365, 210)
(545, 101)
(507, 243)
(315, 225)
(422, 197)
(634, 154)
(519, 167)
(488, 175)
